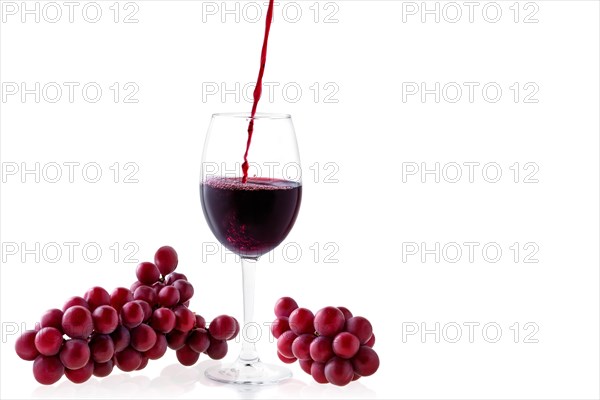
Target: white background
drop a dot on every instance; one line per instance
(358, 209)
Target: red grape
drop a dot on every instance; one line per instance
(305, 365)
(128, 360)
(279, 326)
(121, 338)
(329, 321)
(301, 321)
(103, 369)
(184, 319)
(285, 359)
(96, 297)
(360, 327)
(176, 339)
(119, 297)
(345, 345)
(166, 260)
(136, 285)
(222, 327)
(217, 349)
(321, 349)
(317, 370)
(102, 348)
(356, 377)
(346, 312)
(186, 290)
(82, 374)
(48, 341)
(284, 344)
(52, 319)
(147, 294)
(132, 314)
(199, 340)
(77, 322)
(163, 320)
(174, 277)
(157, 288)
(105, 319)
(187, 356)
(200, 322)
(168, 296)
(339, 371)
(301, 346)
(284, 307)
(147, 273)
(75, 354)
(237, 330)
(146, 308)
(25, 346)
(366, 361)
(75, 301)
(371, 342)
(143, 338)
(143, 364)
(47, 370)
(159, 349)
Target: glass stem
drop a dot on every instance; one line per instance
(248, 355)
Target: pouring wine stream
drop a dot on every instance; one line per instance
(258, 88)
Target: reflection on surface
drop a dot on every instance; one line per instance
(176, 380)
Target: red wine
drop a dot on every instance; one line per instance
(250, 218)
(257, 88)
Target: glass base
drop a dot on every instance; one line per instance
(256, 373)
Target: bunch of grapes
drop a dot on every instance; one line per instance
(92, 334)
(332, 345)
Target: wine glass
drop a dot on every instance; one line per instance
(250, 218)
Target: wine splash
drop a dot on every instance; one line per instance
(258, 88)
